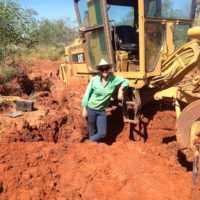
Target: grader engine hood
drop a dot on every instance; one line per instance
(178, 65)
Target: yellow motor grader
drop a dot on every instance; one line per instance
(153, 43)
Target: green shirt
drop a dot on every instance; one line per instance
(98, 96)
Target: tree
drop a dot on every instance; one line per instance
(17, 27)
(57, 33)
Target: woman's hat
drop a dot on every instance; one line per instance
(103, 63)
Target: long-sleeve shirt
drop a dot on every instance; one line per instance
(98, 96)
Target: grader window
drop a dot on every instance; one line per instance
(96, 46)
(121, 15)
(168, 9)
(90, 12)
(180, 35)
(92, 28)
(83, 10)
(154, 36)
(123, 19)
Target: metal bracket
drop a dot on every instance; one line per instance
(134, 105)
(195, 164)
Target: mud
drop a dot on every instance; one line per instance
(42, 156)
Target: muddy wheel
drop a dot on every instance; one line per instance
(188, 116)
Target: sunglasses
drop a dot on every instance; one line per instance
(104, 69)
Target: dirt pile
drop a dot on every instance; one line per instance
(29, 171)
(41, 156)
(54, 118)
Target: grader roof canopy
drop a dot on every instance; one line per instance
(122, 3)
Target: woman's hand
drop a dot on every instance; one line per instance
(84, 112)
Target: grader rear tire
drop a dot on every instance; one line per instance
(188, 116)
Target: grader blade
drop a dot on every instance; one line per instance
(188, 116)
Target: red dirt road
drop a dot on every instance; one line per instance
(41, 156)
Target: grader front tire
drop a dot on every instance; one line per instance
(187, 118)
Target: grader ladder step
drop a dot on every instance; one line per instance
(132, 121)
(130, 103)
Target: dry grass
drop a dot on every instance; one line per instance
(43, 53)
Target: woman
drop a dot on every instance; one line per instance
(97, 97)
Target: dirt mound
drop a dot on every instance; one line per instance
(29, 171)
(56, 116)
(121, 171)
(41, 156)
(88, 171)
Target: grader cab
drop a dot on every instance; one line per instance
(153, 43)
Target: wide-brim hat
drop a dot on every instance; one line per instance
(103, 63)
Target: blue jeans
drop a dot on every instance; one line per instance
(97, 124)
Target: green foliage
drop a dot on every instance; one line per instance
(22, 35)
(16, 24)
(57, 33)
(52, 36)
(7, 75)
(16, 29)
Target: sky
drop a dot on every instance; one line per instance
(56, 9)
(51, 9)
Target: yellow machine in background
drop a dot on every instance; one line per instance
(153, 43)
(76, 65)
(8, 99)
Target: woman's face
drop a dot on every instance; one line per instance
(104, 71)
